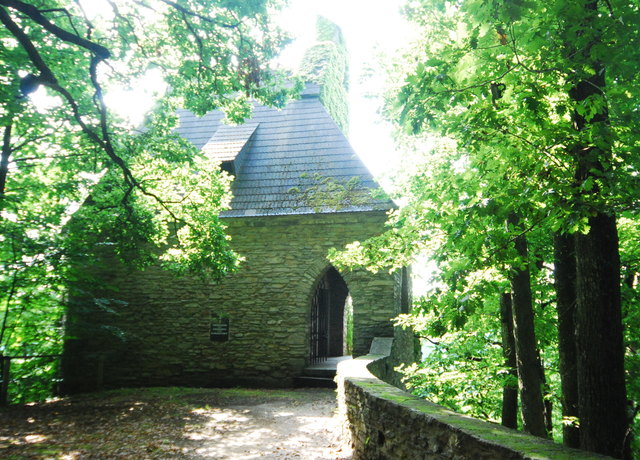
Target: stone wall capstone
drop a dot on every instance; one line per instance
(382, 422)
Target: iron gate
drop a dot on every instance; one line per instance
(319, 342)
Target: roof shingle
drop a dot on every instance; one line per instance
(295, 160)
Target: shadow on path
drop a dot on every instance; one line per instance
(180, 423)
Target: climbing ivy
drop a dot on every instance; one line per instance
(326, 64)
(326, 193)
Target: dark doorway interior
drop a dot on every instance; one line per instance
(327, 316)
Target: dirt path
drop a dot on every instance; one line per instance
(167, 423)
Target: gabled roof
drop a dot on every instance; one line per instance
(294, 161)
(229, 145)
(228, 141)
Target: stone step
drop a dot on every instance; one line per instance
(319, 372)
(307, 381)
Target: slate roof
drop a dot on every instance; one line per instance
(228, 141)
(292, 160)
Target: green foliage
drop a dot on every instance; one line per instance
(495, 82)
(148, 197)
(33, 379)
(464, 369)
(630, 261)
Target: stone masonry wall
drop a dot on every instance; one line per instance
(383, 422)
(164, 321)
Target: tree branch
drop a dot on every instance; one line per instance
(127, 21)
(86, 19)
(19, 146)
(48, 78)
(35, 14)
(514, 48)
(66, 13)
(4, 159)
(10, 294)
(187, 11)
(19, 160)
(23, 39)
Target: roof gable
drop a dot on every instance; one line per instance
(229, 145)
(291, 161)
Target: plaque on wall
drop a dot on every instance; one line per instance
(219, 331)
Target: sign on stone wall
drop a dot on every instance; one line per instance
(219, 329)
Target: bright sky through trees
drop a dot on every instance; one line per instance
(370, 27)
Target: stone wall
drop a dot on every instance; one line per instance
(158, 331)
(384, 422)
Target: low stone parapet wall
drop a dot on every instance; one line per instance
(384, 422)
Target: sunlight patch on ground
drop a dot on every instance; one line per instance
(262, 431)
(187, 425)
(34, 438)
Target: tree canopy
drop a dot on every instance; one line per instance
(144, 193)
(535, 103)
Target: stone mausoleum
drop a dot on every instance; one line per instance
(299, 190)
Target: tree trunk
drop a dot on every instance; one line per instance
(565, 284)
(4, 160)
(5, 154)
(601, 380)
(529, 371)
(599, 334)
(548, 403)
(510, 389)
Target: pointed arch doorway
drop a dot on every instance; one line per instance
(329, 322)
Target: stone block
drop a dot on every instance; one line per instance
(381, 346)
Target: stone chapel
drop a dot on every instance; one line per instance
(299, 190)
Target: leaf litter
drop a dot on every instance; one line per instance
(176, 423)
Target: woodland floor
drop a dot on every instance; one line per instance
(180, 423)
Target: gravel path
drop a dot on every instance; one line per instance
(167, 423)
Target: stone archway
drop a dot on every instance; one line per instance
(327, 316)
